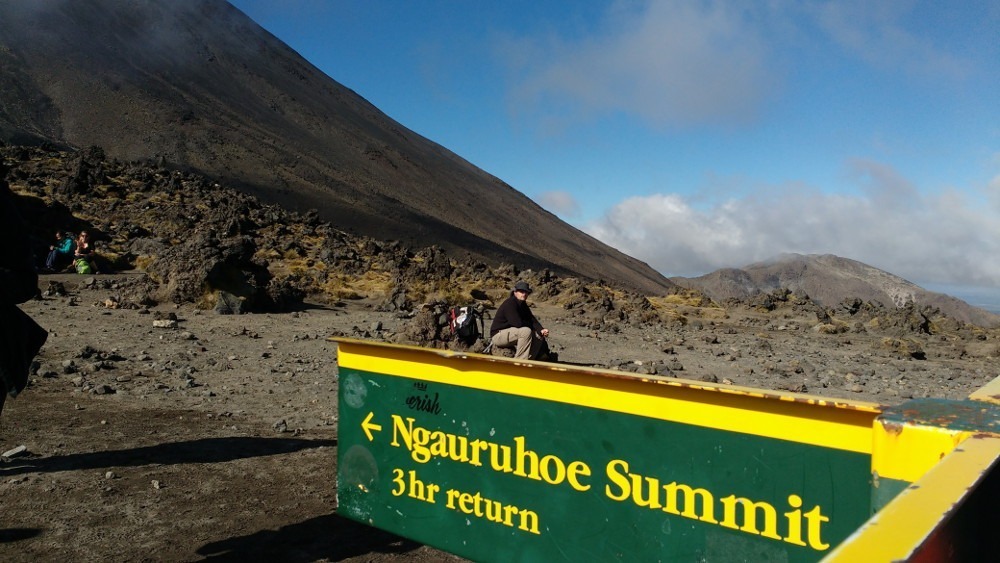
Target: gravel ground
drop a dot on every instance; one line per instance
(180, 434)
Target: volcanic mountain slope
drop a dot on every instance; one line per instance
(202, 87)
(828, 280)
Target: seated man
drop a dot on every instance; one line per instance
(515, 326)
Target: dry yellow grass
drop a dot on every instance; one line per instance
(207, 301)
(678, 307)
(370, 284)
(438, 290)
(687, 297)
(143, 262)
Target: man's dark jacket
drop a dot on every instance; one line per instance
(513, 313)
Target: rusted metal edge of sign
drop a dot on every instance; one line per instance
(946, 515)
(989, 393)
(936, 483)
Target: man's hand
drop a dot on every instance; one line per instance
(544, 332)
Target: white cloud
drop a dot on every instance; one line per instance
(681, 63)
(561, 203)
(884, 186)
(875, 32)
(668, 62)
(944, 238)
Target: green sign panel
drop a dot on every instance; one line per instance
(500, 476)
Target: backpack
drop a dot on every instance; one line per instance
(83, 266)
(466, 324)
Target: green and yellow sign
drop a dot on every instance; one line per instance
(493, 459)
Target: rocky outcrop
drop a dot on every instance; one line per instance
(829, 280)
(201, 242)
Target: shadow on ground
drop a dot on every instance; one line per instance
(17, 534)
(328, 537)
(208, 450)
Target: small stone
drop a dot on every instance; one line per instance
(281, 426)
(15, 452)
(156, 484)
(165, 323)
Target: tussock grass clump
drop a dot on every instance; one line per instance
(905, 347)
(143, 262)
(689, 297)
(678, 307)
(832, 328)
(370, 285)
(208, 300)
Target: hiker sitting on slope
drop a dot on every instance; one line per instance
(85, 253)
(61, 252)
(514, 326)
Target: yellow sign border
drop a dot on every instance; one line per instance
(900, 529)
(806, 419)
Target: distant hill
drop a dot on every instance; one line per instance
(199, 86)
(829, 279)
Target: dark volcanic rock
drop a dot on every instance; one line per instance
(187, 271)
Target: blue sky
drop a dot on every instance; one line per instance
(697, 135)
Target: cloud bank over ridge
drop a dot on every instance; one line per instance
(949, 237)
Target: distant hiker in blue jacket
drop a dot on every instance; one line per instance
(60, 253)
